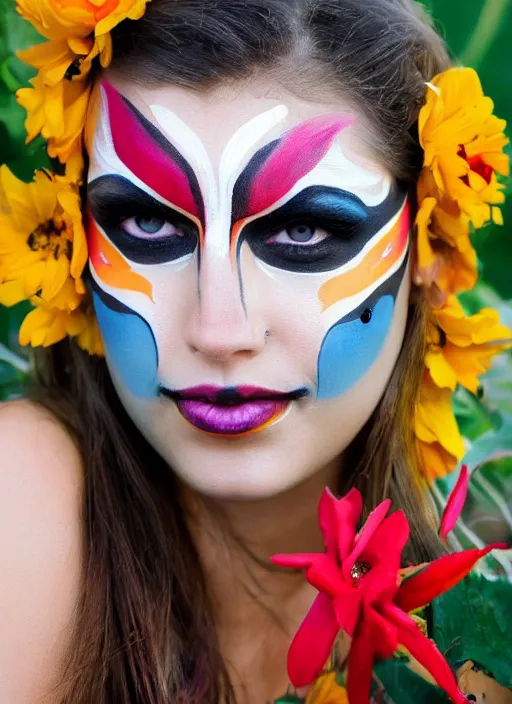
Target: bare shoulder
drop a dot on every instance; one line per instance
(31, 435)
(40, 549)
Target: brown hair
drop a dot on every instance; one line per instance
(144, 630)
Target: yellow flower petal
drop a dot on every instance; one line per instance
(435, 421)
(70, 202)
(90, 338)
(326, 690)
(51, 58)
(436, 461)
(497, 216)
(11, 293)
(460, 348)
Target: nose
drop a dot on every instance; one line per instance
(224, 323)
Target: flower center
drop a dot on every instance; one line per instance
(359, 569)
(476, 164)
(47, 238)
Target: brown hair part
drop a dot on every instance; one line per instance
(144, 631)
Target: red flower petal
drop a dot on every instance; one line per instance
(373, 522)
(299, 560)
(321, 570)
(385, 633)
(347, 607)
(360, 665)
(348, 513)
(324, 574)
(426, 653)
(438, 577)
(455, 504)
(383, 553)
(313, 642)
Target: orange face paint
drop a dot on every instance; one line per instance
(111, 267)
(379, 260)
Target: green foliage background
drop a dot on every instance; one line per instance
(479, 34)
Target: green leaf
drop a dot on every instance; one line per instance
(473, 621)
(493, 444)
(403, 686)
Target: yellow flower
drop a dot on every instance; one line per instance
(435, 460)
(64, 20)
(463, 144)
(461, 347)
(445, 255)
(327, 691)
(57, 112)
(42, 240)
(439, 438)
(89, 339)
(47, 324)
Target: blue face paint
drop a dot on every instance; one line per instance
(350, 348)
(130, 344)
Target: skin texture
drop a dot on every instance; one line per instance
(41, 492)
(236, 181)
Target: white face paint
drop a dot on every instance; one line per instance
(213, 225)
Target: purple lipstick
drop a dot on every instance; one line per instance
(234, 410)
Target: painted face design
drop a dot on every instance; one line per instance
(285, 205)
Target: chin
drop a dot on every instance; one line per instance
(234, 473)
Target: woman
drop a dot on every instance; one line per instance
(244, 161)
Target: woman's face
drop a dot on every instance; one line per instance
(249, 267)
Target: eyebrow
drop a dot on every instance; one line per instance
(150, 157)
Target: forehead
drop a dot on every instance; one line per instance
(241, 118)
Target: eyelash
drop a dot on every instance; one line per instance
(130, 224)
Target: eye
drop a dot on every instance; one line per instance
(299, 234)
(146, 227)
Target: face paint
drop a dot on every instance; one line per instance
(130, 344)
(159, 216)
(353, 343)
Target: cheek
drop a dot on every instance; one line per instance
(350, 348)
(354, 342)
(131, 348)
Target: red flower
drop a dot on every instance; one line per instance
(455, 504)
(362, 591)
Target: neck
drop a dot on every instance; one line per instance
(258, 607)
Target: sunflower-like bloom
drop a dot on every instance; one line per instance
(58, 113)
(463, 143)
(78, 31)
(439, 440)
(68, 20)
(458, 190)
(43, 252)
(460, 347)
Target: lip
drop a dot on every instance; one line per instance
(234, 410)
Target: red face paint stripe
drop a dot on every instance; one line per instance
(143, 156)
(298, 152)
